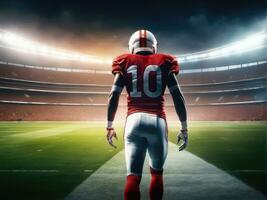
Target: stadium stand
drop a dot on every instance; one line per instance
(56, 75)
(25, 92)
(225, 88)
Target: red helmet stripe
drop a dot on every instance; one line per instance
(142, 38)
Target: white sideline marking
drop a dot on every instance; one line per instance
(44, 132)
(30, 170)
(186, 177)
(38, 170)
(11, 131)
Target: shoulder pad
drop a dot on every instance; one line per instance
(122, 56)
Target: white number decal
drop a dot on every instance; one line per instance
(135, 93)
(133, 70)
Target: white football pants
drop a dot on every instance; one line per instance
(145, 132)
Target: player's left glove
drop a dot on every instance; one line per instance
(110, 134)
(182, 135)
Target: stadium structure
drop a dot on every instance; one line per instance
(42, 83)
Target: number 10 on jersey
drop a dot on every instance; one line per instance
(150, 68)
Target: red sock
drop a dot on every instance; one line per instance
(156, 185)
(132, 191)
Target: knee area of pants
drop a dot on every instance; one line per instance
(156, 172)
(157, 163)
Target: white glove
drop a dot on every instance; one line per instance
(182, 135)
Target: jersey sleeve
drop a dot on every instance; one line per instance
(174, 67)
(118, 65)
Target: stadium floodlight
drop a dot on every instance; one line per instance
(248, 44)
(18, 43)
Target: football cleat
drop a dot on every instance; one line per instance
(142, 40)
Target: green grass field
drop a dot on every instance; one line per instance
(47, 160)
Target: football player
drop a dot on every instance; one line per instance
(145, 74)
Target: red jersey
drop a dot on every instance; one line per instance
(145, 78)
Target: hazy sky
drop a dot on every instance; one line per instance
(103, 27)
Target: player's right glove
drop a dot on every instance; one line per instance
(182, 135)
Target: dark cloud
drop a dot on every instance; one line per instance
(104, 26)
(203, 33)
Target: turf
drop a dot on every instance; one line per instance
(236, 147)
(70, 148)
(81, 148)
